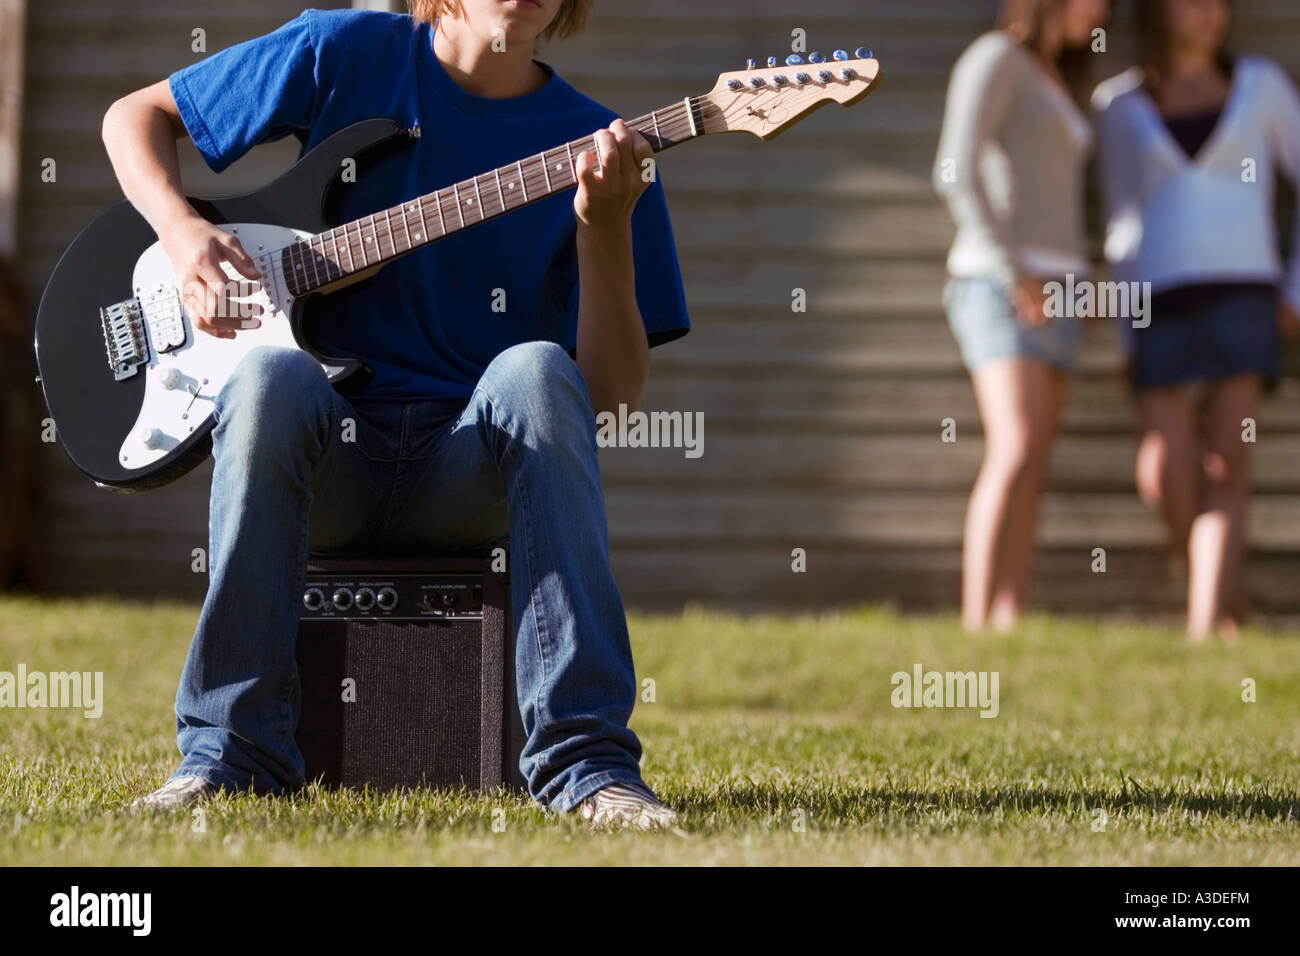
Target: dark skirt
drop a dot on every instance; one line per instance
(1208, 333)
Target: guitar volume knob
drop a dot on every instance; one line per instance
(150, 437)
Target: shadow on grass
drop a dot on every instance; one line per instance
(862, 803)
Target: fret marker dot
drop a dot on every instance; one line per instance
(417, 235)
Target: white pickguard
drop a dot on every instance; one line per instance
(204, 362)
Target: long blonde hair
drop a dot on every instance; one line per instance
(1027, 21)
(568, 22)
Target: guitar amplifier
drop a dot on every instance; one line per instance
(407, 673)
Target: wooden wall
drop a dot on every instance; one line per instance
(822, 429)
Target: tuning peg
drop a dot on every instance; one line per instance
(825, 75)
(863, 53)
(794, 59)
(816, 57)
(780, 80)
(771, 62)
(801, 78)
(734, 84)
(840, 54)
(751, 64)
(756, 82)
(848, 73)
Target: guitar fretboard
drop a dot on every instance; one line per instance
(373, 240)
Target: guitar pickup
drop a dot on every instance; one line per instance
(164, 319)
(124, 337)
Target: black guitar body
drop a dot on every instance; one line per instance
(91, 409)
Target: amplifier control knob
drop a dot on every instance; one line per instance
(365, 599)
(313, 599)
(342, 598)
(387, 598)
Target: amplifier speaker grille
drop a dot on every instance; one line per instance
(407, 700)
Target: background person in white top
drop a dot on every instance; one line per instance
(1011, 165)
(1190, 141)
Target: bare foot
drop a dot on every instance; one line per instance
(1003, 616)
(1229, 631)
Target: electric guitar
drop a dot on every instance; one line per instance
(129, 382)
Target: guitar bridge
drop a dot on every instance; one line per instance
(124, 337)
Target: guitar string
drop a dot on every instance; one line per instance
(682, 122)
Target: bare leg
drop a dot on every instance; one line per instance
(1048, 390)
(1218, 535)
(1010, 393)
(1166, 460)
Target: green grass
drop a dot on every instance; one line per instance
(775, 735)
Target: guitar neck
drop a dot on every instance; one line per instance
(331, 256)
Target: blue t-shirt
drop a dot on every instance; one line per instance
(429, 328)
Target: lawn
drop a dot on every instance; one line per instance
(1114, 742)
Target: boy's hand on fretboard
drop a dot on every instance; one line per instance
(609, 187)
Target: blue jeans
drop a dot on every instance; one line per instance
(983, 320)
(518, 459)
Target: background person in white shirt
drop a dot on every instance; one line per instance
(1190, 141)
(1011, 165)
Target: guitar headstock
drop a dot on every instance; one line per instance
(767, 100)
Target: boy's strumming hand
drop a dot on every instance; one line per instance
(608, 191)
(197, 250)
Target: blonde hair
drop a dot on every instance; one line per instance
(1027, 21)
(568, 22)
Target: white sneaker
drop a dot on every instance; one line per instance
(626, 805)
(176, 793)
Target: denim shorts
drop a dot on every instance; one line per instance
(1201, 334)
(983, 319)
